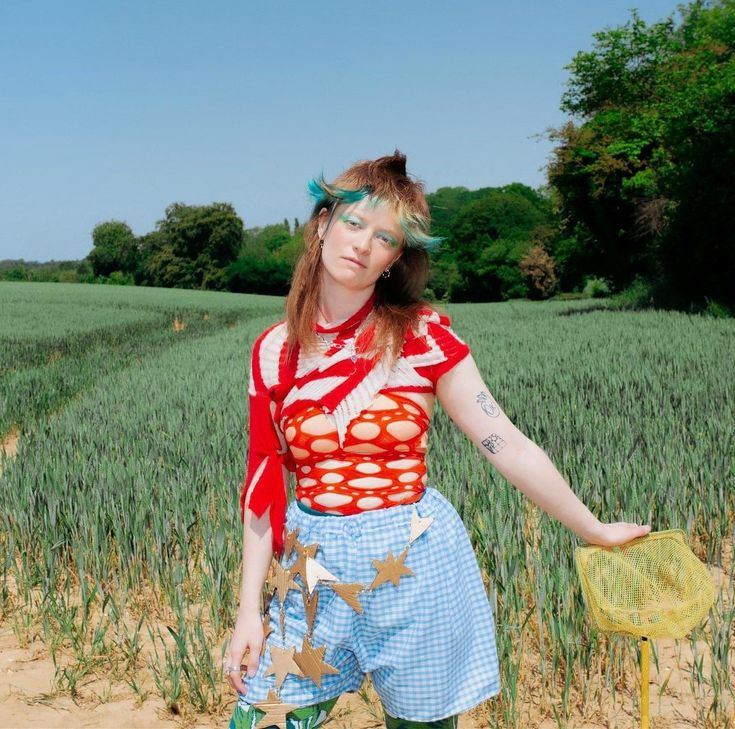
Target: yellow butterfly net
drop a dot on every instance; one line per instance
(651, 587)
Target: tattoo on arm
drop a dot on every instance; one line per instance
(494, 443)
(488, 405)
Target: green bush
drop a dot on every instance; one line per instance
(116, 278)
(68, 277)
(639, 295)
(596, 288)
(717, 309)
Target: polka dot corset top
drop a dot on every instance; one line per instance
(381, 463)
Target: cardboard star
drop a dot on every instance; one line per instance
(390, 569)
(418, 525)
(316, 572)
(275, 711)
(310, 661)
(282, 662)
(299, 566)
(289, 541)
(348, 592)
(284, 582)
(310, 603)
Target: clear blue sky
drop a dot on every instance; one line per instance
(114, 110)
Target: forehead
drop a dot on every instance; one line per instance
(376, 212)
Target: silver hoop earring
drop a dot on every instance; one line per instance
(386, 273)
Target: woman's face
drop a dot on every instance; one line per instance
(361, 242)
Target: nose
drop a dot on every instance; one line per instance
(362, 242)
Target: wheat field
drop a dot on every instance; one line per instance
(120, 535)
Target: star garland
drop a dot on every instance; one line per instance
(282, 662)
(390, 569)
(309, 661)
(275, 711)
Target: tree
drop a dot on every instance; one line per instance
(486, 236)
(256, 274)
(646, 180)
(273, 237)
(193, 246)
(290, 251)
(538, 267)
(114, 248)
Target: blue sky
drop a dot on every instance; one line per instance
(114, 110)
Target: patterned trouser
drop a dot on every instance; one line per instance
(308, 717)
(427, 640)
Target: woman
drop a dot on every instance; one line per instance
(374, 572)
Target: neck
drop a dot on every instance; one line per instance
(337, 303)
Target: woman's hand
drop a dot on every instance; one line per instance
(247, 637)
(620, 532)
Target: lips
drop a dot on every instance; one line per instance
(354, 261)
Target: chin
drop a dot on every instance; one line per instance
(358, 281)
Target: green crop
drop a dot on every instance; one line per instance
(120, 533)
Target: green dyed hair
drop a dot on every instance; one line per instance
(415, 226)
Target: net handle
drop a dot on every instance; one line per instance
(644, 683)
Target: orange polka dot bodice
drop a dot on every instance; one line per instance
(381, 463)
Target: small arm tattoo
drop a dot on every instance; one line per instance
(488, 405)
(494, 443)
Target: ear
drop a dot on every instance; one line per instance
(321, 225)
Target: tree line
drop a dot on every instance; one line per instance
(638, 197)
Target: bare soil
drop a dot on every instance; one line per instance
(8, 446)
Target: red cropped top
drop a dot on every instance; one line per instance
(338, 420)
(381, 463)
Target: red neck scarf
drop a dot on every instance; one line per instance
(342, 379)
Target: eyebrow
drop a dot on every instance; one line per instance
(382, 230)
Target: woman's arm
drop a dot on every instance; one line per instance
(262, 493)
(468, 401)
(257, 552)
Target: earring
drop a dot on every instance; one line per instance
(321, 243)
(386, 273)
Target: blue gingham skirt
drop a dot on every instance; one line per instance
(428, 643)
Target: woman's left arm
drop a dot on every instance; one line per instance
(468, 401)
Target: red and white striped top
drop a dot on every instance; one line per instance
(319, 415)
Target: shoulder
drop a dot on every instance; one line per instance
(272, 337)
(266, 356)
(436, 325)
(433, 346)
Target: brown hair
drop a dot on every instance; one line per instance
(398, 299)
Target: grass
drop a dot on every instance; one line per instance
(119, 525)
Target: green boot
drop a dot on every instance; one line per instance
(448, 722)
(305, 717)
